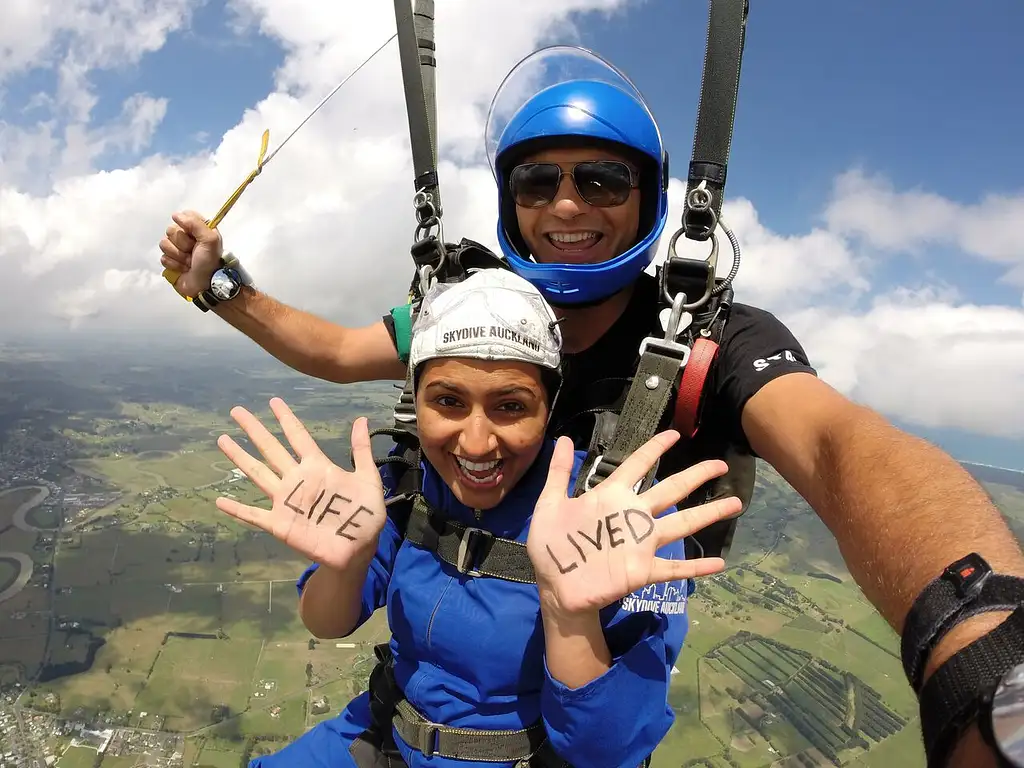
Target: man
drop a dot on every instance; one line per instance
(583, 202)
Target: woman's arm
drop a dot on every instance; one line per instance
(335, 603)
(575, 649)
(605, 699)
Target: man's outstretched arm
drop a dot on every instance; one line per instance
(311, 344)
(298, 339)
(900, 508)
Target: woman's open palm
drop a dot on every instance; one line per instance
(320, 510)
(597, 548)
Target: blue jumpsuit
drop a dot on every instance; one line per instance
(469, 651)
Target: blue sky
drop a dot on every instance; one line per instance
(926, 94)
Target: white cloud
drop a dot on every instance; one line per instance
(328, 225)
(872, 209)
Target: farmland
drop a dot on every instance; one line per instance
(148, 614)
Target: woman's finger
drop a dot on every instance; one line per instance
(277, 455)
(362, 451)
(294, 430)
(261, 518)
(639, 463)
(663, 570)
(559, 470)
(686, 522)
(255, 470)
(675, 488)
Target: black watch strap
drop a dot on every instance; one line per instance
(966, 588)
(205, 300)
(952, 697)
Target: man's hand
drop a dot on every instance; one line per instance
(590, 551)
(192, 249)
(323, 512)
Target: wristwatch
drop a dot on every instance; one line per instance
(225, 284)
(982, 683)
(966, 588)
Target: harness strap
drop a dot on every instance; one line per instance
(465, 743)
(472, 551)
(691, 388)
(716, 114)
(416, 50)
(645, 405)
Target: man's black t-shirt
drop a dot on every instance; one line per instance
(755, 348)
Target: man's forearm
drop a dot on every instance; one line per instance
(902, 510)
(310, 344)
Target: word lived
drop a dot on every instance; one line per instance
(629, 517)
(327, 510)
(494, 332)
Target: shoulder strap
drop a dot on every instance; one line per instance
(680, 362)
(716, 114)
(416, 51)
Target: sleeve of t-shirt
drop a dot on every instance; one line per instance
(757, 348)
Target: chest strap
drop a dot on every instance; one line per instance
(472, 551)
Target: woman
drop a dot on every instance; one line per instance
(567, 658)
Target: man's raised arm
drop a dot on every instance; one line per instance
(298, 339)
(900, 508)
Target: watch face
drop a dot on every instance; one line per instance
(223, 285)
(1008, 716)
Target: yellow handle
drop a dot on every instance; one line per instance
(170, 275)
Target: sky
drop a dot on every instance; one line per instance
(876, 182)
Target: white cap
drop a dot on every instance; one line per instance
(494, 314)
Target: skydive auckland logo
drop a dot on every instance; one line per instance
(488, 332)
(667, 598)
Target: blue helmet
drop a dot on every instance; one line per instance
(602, 109)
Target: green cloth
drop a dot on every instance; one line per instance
(403, 330)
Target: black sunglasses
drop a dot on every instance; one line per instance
(601, 183)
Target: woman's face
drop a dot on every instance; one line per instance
(481, 424)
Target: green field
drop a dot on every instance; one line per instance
(172, 563)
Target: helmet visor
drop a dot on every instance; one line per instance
(540, 70)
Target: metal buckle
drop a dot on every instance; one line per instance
(468, 550)
(673, 348)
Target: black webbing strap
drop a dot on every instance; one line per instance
(649, 396)
(716, 113)
(465, 743)
(416, 50)
(472, 551)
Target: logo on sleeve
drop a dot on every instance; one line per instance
(667, 598)
(763, 362)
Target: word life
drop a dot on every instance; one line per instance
(327, 509)
(639, 524)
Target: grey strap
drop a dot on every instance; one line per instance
(465, 743)
(656, 378)
(716, 113)
(472, 551)
(416, 50)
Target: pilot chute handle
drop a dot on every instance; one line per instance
(170, 275)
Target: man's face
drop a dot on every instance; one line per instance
(568, 230)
